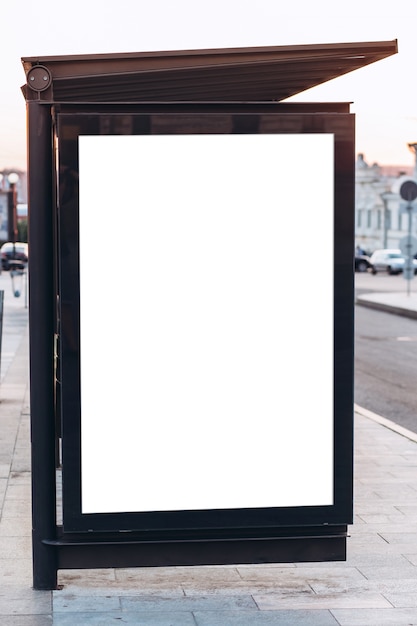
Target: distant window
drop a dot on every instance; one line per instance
(369, 219)
(378, 220)
(359, 224)
(22, 211)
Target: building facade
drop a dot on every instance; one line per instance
(379, 223)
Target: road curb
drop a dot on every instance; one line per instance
(378, 303)
(383, 421)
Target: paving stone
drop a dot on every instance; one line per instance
(402, 599)
(309, 574)
(125, 619)
(19, 492)
(372, 586)
(3, 487)
(4, 470)
(266, 618)
(18, 601)
(376, 617)
(86, 579)
(399, 537)
(253, 588)
(377, 559)
(385, 573)
(16, 570)
(365, 539)
(20, 478)
(29, 620)
(408, 509)
(13, 527)
(187, 576)
(382, 529)
(16, 547)
(383, 508)
(16, 509)
(187, 603)
(276, 601)
(362, 547)
(113, 588)
(373, 518)
(68, 602)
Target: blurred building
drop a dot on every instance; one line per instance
(378, 221)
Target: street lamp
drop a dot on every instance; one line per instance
(12, 210)
(386, 196)
(16, 267)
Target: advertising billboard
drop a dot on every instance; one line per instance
(199, 349)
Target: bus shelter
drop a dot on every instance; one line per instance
(191, 361)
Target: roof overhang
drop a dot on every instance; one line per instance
(259, 74)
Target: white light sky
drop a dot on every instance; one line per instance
(384, 95)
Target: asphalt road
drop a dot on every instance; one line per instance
(386, 355)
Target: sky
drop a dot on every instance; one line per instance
(384, 94)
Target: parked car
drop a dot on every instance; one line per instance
(362, 263)
(390, 261)
(19, 250)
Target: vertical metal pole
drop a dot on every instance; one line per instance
(409, 256)
(385, 237)
(41, 324)
(12, 216)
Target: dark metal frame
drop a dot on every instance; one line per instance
(42, 333)
(244, 536)
(255, 74)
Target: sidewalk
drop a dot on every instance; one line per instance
(376, 586)
(399, 303)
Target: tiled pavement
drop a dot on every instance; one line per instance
(376, 586)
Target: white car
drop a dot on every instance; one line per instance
(390, 261)
(9, 251)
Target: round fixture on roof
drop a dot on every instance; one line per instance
(39, 78)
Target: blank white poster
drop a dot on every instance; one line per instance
(206, 286)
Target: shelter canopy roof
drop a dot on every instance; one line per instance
(259, 74)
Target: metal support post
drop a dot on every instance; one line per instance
(41, 319)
